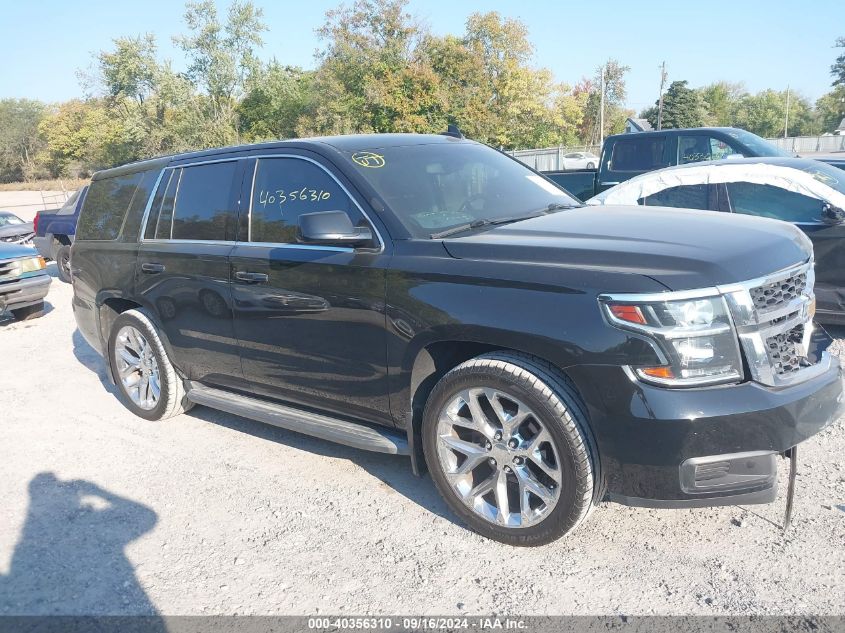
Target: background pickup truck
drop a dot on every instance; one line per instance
(624, 156)
(54, 232)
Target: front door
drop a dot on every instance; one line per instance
(183, 268)
(310, 319)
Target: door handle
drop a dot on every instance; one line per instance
(252, 278)
(152, 268)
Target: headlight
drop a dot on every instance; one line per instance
(695, 336)
(31, 264)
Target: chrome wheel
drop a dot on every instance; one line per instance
(137, 367)
(498, 457)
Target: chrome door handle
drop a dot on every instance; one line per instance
(252, 278)
(152, 268)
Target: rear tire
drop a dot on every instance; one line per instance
(591, 165)
(63, 263)
(29, 312)
(147, 382)
(552, 447)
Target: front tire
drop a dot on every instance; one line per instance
(591, 165)
(147, 382)
(507, 443)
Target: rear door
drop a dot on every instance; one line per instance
(310, 319)
(182, 273)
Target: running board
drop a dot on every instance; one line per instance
(360, 436)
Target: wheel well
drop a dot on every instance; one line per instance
(433, 362)
(109, 310)
(64, 240)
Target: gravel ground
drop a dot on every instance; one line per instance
(209, 513)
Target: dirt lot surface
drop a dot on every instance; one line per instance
(104, 512)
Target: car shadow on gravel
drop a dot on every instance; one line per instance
(70, 558)
(90, 359)
(392, 470)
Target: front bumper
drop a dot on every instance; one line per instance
(700, 447)
(24, 292)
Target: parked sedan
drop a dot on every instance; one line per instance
(579, 160)
(804, 192)
(24, 282)
(14, 230)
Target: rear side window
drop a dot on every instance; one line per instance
(284, 189)
(638, 154)
(682, 197)
(105, 207)
(773, 202)
(195, 203)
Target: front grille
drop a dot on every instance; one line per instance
(783, 351)
(778, 293)
(8, 271)
(772, 316)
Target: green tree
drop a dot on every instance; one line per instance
(275, 101)
(721, 99)
(830, 109)
(615, 94)
(682, 107)
(20, 141)
(837, 70)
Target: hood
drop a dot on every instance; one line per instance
(13, 251)
(10, 230)
(681, 249)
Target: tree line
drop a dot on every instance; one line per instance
(378, 69)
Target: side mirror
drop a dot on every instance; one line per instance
(331, 228)
(832, 214)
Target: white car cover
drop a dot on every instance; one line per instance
(797, 180)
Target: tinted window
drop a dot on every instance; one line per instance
(284, 189)
(697, 147)
(683, 197)
(203, 208)
(105, 207)
(638, 154)
(773, 202)
(436, 186)
(195, 203)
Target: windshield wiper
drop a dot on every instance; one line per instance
(477, 224)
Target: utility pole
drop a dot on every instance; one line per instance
(601, 108)
(660, 100)
(786, 120)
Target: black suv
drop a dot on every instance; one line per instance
(431, 296)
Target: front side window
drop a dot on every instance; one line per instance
(694, 148)
(195, 203)
(773, 202)
(286, 188)
(638, 154)
(438, 186)
(682, 197)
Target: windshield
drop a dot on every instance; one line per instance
(432, 188)
(759, 146)
(7, 219)
(833, 177)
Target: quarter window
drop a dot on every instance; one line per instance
(773, 202)
(106, 205)
(286, 188)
